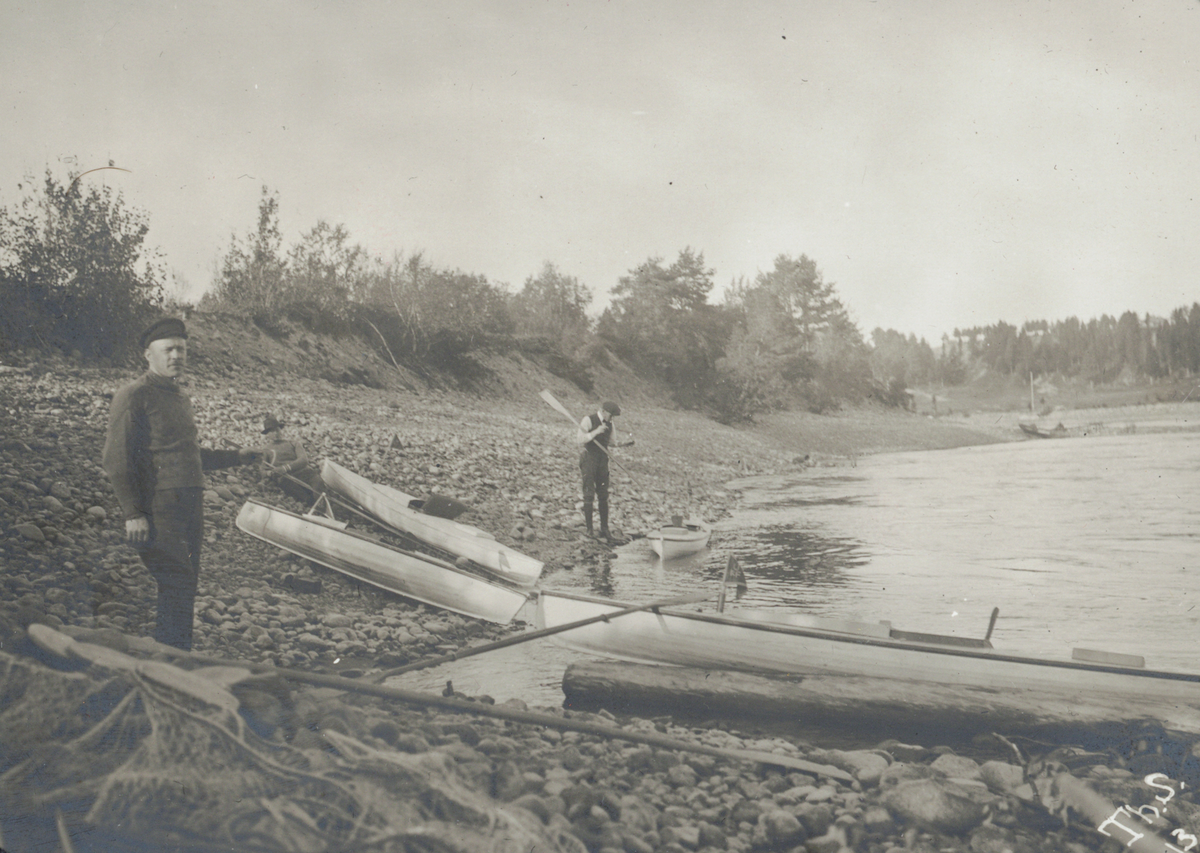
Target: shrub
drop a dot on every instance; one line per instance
(75, 272)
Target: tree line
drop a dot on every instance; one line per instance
(1100, 350)
(782, 339)
(76, 273)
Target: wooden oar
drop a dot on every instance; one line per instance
(538, 634)
(562, 410)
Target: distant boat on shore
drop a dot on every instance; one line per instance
(1035, 431)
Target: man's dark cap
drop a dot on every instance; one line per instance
(164, 327)
(612, 408)
(271, 423)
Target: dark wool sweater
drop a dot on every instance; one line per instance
(152, 444)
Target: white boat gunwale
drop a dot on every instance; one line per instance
(376, 577)
(897, 644)
(383, 502)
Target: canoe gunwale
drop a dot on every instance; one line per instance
(396, 584)
(896, 644)
(390, 508)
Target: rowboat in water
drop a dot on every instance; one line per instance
(679, 538)
(416, 576)
(394, 508)
(766, 642)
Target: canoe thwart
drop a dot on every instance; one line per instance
(1114, 658)
(325, 520)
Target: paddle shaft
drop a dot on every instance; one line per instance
(538, 634)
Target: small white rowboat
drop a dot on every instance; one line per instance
(679, 539)
(414, 576)
(392, 507)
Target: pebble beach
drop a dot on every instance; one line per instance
(63, 563)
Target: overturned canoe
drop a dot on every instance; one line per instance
(800, 644)
(392, 507)
(414, 576)
(679, 539)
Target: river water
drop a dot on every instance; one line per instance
(1091, 542)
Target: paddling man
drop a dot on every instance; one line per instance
(595, 433)
(156, 467)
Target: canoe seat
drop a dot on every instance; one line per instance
(1113, 658)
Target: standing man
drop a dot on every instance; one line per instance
(595, 433)
(156, 466)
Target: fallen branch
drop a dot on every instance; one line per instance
(413, 697)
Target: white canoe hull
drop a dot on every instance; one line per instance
(671, 542)
(435, 583)
(815, 646)
(391, 506)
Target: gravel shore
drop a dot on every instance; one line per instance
(63, 562)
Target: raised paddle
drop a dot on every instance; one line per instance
(541, 632)
(562, 410)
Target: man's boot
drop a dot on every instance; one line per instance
(587, 520)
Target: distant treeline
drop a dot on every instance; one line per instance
(75, 273)
(1100, 350)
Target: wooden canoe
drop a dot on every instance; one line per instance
(672, 541)
(392, 507)
(799, 644)
(425, 579)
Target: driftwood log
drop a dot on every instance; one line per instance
(901, 708)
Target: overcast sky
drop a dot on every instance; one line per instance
(946, 164)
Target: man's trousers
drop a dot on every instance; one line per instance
(173, 558)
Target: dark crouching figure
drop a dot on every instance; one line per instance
(156, 466)
(287, 459)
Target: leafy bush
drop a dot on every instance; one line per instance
(75, 272)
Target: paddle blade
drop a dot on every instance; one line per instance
(557, 406)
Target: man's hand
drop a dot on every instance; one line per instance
(249, 454)
(137, 531)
